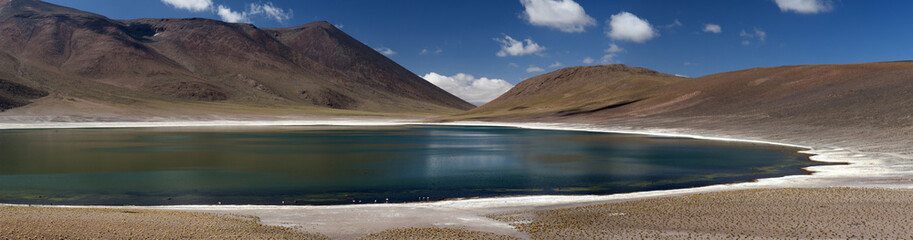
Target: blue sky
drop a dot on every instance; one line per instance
(465, 43)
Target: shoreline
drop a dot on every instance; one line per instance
(827, 155)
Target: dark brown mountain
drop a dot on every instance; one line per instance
(88, 62)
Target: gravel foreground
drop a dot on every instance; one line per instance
(433, 233)
(805, 213)
(91, 223)
(819, 213)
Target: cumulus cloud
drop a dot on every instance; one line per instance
(270, 11)
(556, 65)
(564, 15)
(190, 5)
(533, 68)
(512, 47)
(757, 33)
(610, 55)
(805, 6)
(477, 91)
(385, 51)
(607, 59)
(627, 26)
(713, 28)
(613, 48)
(588, 60)
(228, 15)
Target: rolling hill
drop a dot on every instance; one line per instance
(574, 91)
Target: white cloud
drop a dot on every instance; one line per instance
(714, 28)
(610, 55)
(228, 15)
(564, 15)
(608, 58)
(512, 47)
(474, 90)
(513, 65)
(613, 48)
(267, 10)
(588, 60)
(425, 51)
(760, 34)
(680, 75)
(805, 6)
(627, 26)
(532, 69)
(339, 26)
(385, 51)
(556, 65)
(270, 11)
(756, 34)
(190, 5)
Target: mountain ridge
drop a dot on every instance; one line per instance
(169, 63)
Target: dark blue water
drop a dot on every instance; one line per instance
(338, 165)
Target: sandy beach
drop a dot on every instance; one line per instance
(878, 174)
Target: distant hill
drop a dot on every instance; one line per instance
(66, 61)
(574, 91)
(844, 96)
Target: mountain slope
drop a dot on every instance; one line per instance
(854, 98)
(168, 66)
(574, 91)
(846, 94)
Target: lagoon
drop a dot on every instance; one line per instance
(322, 165)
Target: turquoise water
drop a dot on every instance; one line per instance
(339, 165)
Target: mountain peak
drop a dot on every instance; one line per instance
(324, 24)
(28, 8)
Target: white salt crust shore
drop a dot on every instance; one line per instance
(872, 170)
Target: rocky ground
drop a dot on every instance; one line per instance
(819, 213)
(433, 233)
